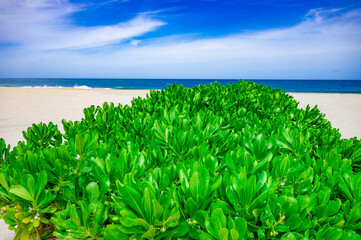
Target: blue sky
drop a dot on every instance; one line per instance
(254, 39)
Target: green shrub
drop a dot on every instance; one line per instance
(211, 162)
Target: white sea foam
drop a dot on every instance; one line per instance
(46, 86)
(82, 87)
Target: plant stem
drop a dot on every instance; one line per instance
(38, 233)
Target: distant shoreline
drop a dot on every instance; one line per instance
(136, 89)
(303, 86)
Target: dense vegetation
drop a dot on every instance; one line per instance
(211, 162)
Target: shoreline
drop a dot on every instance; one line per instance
(84, 87)
(80, 88)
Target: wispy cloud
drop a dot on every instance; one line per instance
(45, 24)
(326, 43)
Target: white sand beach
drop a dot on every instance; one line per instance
(20, 107)
(342, 110)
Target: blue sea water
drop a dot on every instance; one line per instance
(318, 86)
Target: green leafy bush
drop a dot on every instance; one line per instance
(211, 162)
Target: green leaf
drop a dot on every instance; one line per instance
(36, 223)
(112, 231)
(333, 207)
(345, 189)
(176, 232)
(324, 196)
(289, 236)
(201, 218)
(293, 221)
(219, 220)
(149, 234)
(29, 181)
(205, 236)
(74, 215)
(128, 218)
(104, 185)
(241, 226)
(158, 209)
(79, 144)
(131, 197)
(261, 181)
(3, 181)
(234, 234)
(223, 234)
(92, 190)
(196, 186)
(41, 182)
(21, 192)
(191, 206)
(85, 213)
(27, 219)
(147, 204)
(260, 165)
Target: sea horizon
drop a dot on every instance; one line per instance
(288, 85)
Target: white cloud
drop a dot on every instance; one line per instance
(339, 34)
(135, 42)
(88, 37)
(44, 24)
(327, 44)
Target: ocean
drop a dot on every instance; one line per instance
(315, 86)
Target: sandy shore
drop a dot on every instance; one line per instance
(342, 110)
(20, 107)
